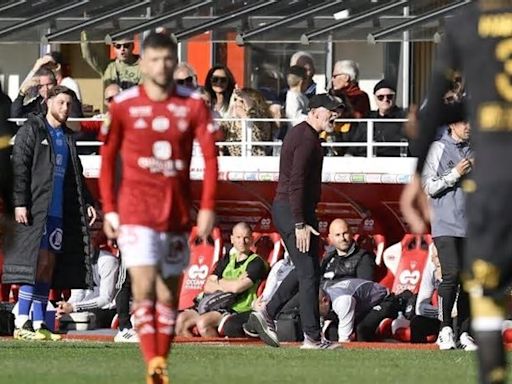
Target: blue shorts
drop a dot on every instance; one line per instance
(52, 235)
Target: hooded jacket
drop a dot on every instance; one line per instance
(442, 183)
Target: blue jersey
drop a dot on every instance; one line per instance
(61, 151)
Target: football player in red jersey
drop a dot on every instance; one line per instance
(152, 128)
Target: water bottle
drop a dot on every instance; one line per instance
(399, 322)
(404, 149)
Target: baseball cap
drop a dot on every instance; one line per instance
(327, 101)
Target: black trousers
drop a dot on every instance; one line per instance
(307, 267)
(233, 325)
(451, 256)
(123, 304)
(287, 291)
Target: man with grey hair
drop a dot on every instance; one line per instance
(345, 78)
(305, 60)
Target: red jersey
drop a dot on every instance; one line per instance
(154, 140)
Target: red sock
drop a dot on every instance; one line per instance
(165, 321)
(5, 291)
(144, 315)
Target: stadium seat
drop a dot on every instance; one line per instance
(268, 246)
(371, 237)
(406, 260)
(203, 256)
(507, 331)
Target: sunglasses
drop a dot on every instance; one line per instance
(187, 80)
(109, 99)
(124, 45)
(219, 80)
(389, 97)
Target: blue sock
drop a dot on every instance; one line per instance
(25, 297)
(41, 291)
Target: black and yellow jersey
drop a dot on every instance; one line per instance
(477, 43)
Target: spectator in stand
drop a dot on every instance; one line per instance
(344, 82)
(240, 273)
(248, 103)
(62, 74)
(123, 70)
(220, 83)
(296, 101)
(448, 163)
(33, 95)
(185, 75)
(55, 62)
(385, 97)
(350, 299)
(345, 79)
(305, 60)
(92, 128)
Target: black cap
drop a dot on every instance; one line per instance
(454, 113)
(329, 102)
(297, 70)
(384, 84)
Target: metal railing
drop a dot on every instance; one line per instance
(246, 143)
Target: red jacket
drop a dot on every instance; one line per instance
(358, 100)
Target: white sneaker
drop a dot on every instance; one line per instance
(265, 328)
(467, 343)
(446, 339)
(322, 344)
(127, 335)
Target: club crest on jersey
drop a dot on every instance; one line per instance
(55, 239)
(179, 111)
(141, 111)
(160, 124)
(162, 150)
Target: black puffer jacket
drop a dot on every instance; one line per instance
(33, 160)
(357, 263)
(7, 131)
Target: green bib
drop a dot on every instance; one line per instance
(245, 299)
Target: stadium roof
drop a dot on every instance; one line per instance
(249, 22)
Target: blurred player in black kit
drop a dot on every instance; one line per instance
(478, 43)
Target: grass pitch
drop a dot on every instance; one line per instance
(97, 363)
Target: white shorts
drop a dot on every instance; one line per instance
(143, 246)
